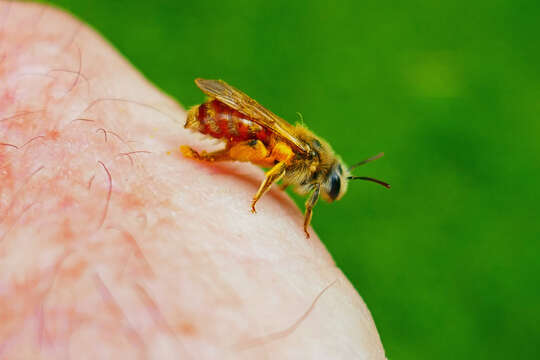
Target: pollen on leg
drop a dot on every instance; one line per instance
(253, 150)
(282, 152)
(189, 152)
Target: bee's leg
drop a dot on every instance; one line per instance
(273, 175)
(220, 155)
(249, 151)
(281, 152)
(283, 186)
(310, 203)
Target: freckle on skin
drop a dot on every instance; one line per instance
(131, 201)
(66, 234)
(187, 329)
(53, 135)
(75, 271)
(66, 202)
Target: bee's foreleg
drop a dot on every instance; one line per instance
(273, 175)
(310, 203)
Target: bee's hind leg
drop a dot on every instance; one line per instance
(220, 155)
(248, 151)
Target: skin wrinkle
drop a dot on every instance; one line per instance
(21, 114)
(5, 15)
(16, 196)
(287, 331)
(32, 139)
(35, 22)
(128, 154)
(128, 101)
(109, 191)
(78, 75)
(137, 252)
(186, 261)
(157, 316)
(112, 305)
(42, 336)
(16, 221)
(30, 74)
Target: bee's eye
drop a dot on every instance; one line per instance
(335, 187)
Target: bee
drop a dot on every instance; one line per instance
(251, 133)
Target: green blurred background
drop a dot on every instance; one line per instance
(447, 260)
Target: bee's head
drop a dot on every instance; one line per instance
(335, 184)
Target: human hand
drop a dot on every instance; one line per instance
(112, 245)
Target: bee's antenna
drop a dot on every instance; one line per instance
(369, 179)
(300, 116)
(373, 158)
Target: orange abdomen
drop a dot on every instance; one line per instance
(220, 121)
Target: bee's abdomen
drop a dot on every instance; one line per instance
(220, 121)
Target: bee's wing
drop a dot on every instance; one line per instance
(239, 101)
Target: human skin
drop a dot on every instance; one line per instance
(114, 246)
